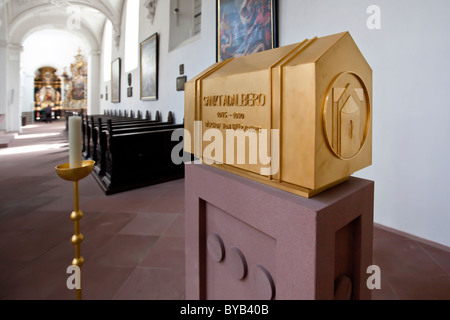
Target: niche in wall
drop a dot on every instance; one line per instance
(185, 22)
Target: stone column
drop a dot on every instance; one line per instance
(13, 104)
(3, 82)
(94, 82)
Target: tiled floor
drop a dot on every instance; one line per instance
(134, 241)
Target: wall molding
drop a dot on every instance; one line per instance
(10, 45)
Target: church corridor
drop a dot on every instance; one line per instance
(134, 241)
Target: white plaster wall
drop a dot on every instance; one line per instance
(181, 23)
(3, 78)
(3, 66)
(94, 68)
(409, 57)
(196, 56)
(13, 89)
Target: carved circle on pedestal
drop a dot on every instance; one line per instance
(237, 264)
(216, 247)
(343, 288)
(262, 283)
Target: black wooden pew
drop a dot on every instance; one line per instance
(96, 127)
(137, 158)
(112, 113)
(102, 132)
(88, 128)
(86, 120)
(86, 132)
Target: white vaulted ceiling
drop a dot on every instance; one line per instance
(27, 16)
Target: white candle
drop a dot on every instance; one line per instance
(75, 142)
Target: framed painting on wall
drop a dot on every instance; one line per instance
(149, 68)
(245, 27)
(79, 88)
(115, 80)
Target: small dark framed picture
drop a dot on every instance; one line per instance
(181, 81)
(245, 27)
(130, 79)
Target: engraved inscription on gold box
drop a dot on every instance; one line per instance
(298, 118)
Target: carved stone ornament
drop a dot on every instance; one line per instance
(116, 37)
(151, 7)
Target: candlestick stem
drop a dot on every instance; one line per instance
(76, 196)
(75, 175)
(78, 237)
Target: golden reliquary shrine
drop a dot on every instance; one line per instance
(298, 118)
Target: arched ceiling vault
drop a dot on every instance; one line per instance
(83, 17)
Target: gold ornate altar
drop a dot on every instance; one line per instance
(47, 94)
(298, 118)
(75, 98)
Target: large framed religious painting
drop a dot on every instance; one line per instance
(149, 68)
(245, 27)
(79, 89)
(115, 80)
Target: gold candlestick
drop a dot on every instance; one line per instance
(75, 175)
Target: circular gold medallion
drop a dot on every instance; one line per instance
(346, 115)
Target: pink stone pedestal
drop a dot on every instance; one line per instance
(246, 240)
